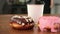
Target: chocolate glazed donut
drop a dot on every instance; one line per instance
(22, 22)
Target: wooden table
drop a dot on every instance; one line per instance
(6, 29)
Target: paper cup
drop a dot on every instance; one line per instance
(35, 11)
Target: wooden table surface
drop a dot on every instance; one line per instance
(6, 29)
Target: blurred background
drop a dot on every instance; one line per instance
(20, 6)
(56, 7)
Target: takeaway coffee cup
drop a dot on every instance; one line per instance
(35, 11)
